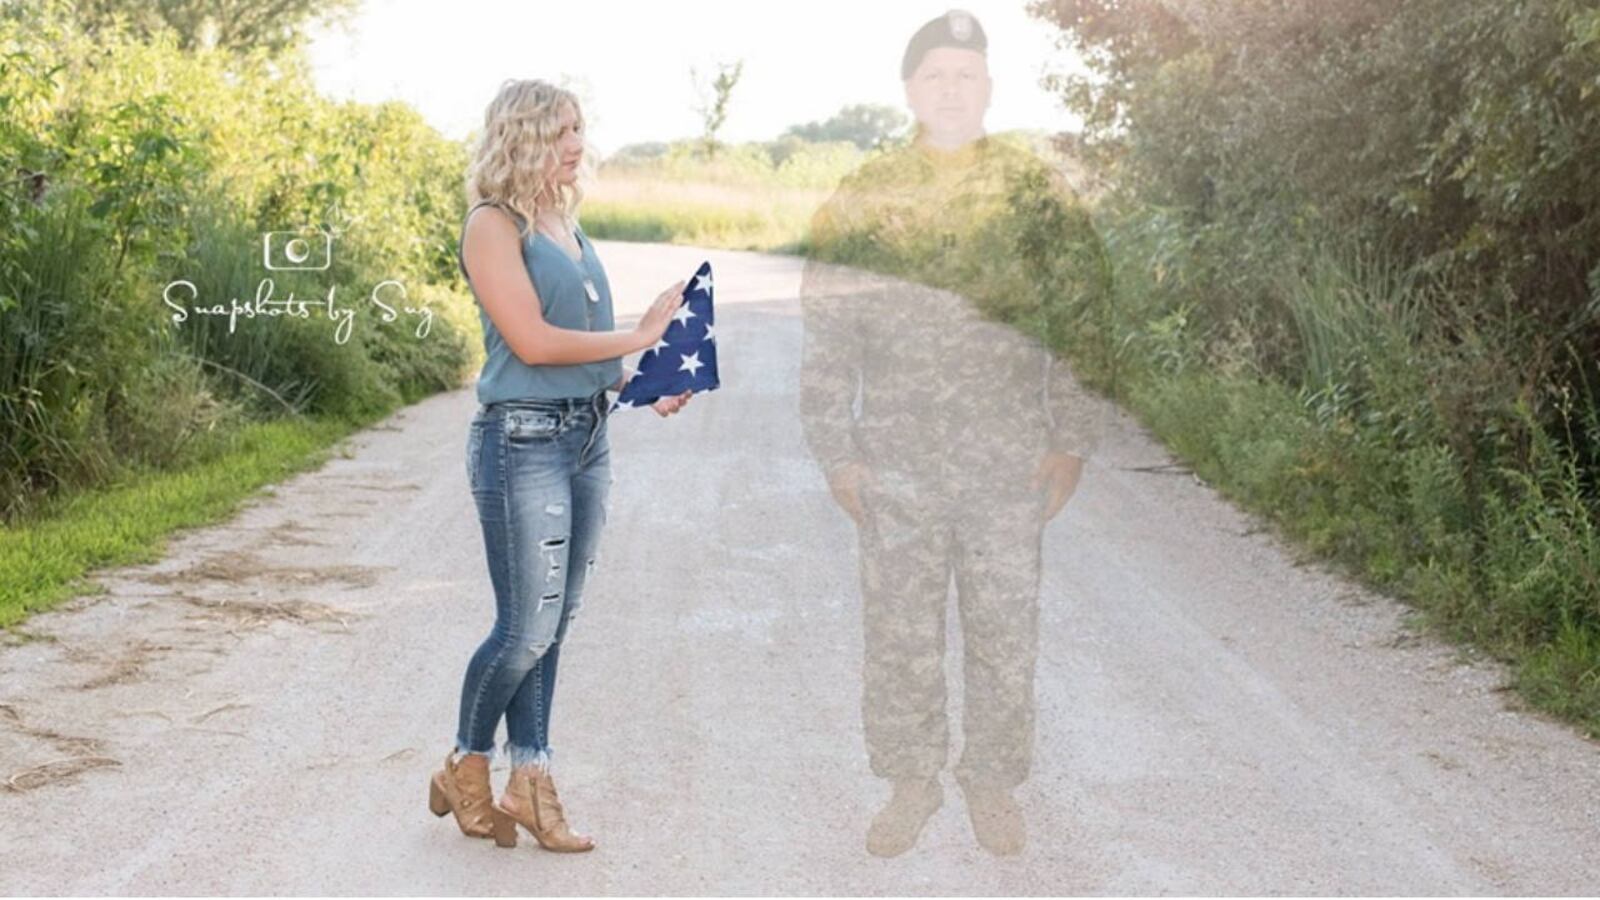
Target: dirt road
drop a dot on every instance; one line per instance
(260, 711)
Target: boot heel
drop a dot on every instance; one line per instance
(505, 827)
(438, 803)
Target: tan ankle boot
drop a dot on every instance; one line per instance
(466, 792)
(543, 816)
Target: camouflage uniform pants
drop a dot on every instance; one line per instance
(915, 532)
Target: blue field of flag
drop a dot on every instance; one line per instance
(685, 359)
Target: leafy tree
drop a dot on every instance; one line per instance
(637, 153)
(222, 24)
(712, 105)
(866, 125)
(1457, 135)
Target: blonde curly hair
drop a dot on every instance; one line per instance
(516, 150)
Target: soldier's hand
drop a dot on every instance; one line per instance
(845, 483)
(1057, 475)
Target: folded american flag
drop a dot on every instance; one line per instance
(685, 358)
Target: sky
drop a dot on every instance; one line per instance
(630, 62)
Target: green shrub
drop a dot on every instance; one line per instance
(132, 164)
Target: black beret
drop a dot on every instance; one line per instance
(956, 28)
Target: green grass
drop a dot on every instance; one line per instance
(47, 558)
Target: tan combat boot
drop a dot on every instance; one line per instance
(996, 819)
(895, 828)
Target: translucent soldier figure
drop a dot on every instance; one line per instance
(946, 428)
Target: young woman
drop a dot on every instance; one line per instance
(538, 458)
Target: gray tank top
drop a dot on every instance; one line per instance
(565, 302)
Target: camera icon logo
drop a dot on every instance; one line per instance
(305, 249)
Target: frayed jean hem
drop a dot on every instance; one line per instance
(528, 756)
(491, 753)
(514, 754)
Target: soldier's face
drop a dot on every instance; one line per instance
(949, 91)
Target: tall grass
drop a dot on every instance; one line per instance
(272, 366)
(1353, 308)
(68, 349)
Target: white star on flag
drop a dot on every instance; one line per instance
(711, 332)
(684, 314)
(691, 363)
(702, 282)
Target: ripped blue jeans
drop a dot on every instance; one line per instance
(540, 472)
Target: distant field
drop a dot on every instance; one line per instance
(742, 200)
(633, 207)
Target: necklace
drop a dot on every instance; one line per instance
(589, 288)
